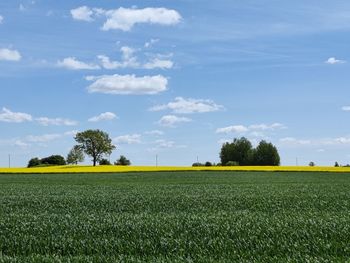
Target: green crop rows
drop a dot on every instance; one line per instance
(175, 217)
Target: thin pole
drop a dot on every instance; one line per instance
(9, 160)
(156, 160)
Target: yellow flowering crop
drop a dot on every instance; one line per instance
(119, 169)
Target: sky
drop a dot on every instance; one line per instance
(175, 79)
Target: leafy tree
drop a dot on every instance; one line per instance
(240, 151)
(336, 164)
(197, 164)
(54, 160)
(104, 162)
(266, 154)
(95, 143)
(122, 161)
(231, 163)
(208, 164)
(75, 155)
(312, 164)
(34, 162)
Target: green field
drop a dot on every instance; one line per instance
(175, 217)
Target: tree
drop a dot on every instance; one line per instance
(104, 162)
(75, 155)
(240, 151)
(53, 160)
(312, 164)
(95, 143)
(336, 164)
(34, 162)
(122, 161)
(266, 154)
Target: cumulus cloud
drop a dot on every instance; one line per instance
(106, 116)
(128, 139)
(7, 115)
(172, 120)
(82, 13)
(252, 128)
(185, 106)
(55, 121)
(126, 18)
(334, 61)
(9, 54)
(74, 64)
(127, 84)
(1, 19)
(346, 108)
(294, 141)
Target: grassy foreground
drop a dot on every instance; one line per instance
(123, 169)
(175, 217)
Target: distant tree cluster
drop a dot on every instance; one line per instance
(241, 152)
(47, 161)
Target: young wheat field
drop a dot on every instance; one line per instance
(175, 217)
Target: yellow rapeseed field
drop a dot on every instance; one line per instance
(120, 169)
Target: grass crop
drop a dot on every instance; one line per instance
(175, 217)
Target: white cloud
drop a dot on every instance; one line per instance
(128, 139)
(82, 13)
(1, 19)
(151, 43)
(159, 63)
(127, 84)
(181, 105)
(254, 129)
(9, 55)
(73, 63)
(55, 121)
(7, 115)
(103, 117)
(125, 18)
(21, 144)
(172, 120)
(233, 129)
(293, 141)
(154, 132)
(346, 108)
(333, 61)
(165, 144)
(129, 60)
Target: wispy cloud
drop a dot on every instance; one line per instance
(172, 120)
(45, 121)
(251, 128)
(106, 116)
(128, 139)
(74, 64)
(7, 115)
(186, 106)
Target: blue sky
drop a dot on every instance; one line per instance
(175, 78)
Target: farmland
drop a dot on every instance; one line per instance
(188, 216)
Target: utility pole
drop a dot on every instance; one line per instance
(156, 160)
(197, 159)
(9, 160)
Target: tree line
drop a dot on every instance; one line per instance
(94, 143)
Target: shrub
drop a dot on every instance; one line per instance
(122, 161)
(197, 164)
(208, 164)
(54, 160)
(104, 162)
